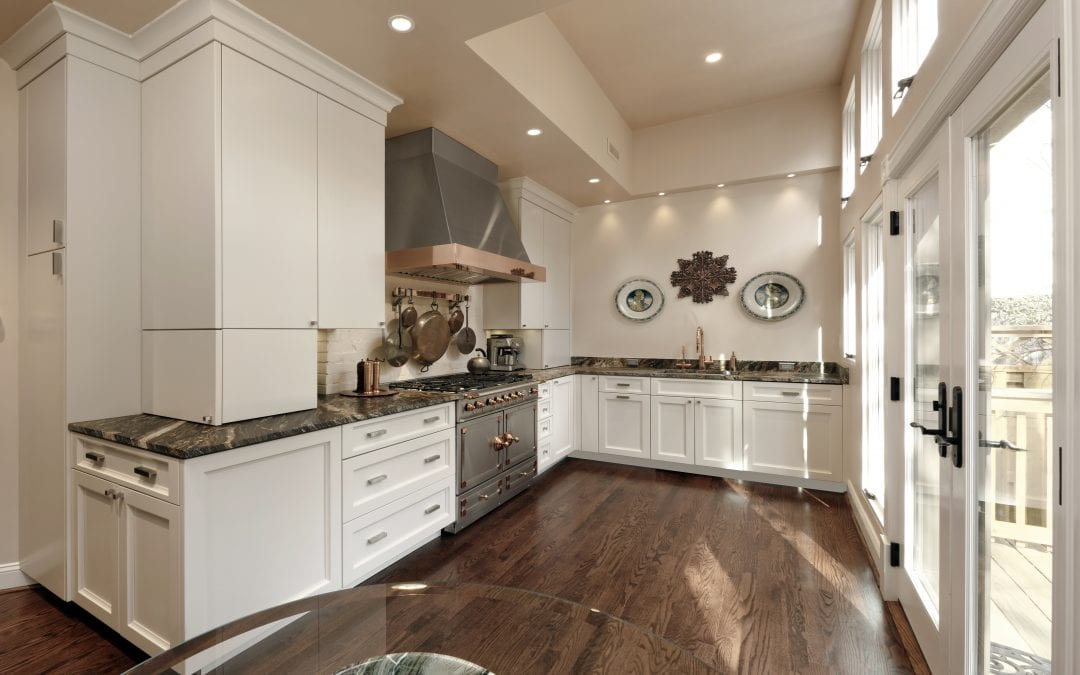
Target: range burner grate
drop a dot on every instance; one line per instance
(461, 383)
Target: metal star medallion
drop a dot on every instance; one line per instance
(702, 276)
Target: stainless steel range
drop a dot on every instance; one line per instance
(496, 438)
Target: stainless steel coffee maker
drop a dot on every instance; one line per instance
(504, 350)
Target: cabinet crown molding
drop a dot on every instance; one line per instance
(56, 20)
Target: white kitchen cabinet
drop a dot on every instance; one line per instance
(555, 350)
(589, 413)
(44, 133)
(79, 285)
(557, 263)
(624, 421)
(530, 296)
(230, 159)
(126, 561)
(672, 429)
(794, 440)
(562, 413)
(351, 217)
(221, 376)
(718, 433)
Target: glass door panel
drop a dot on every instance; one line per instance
(1014, 186)
(924, 480)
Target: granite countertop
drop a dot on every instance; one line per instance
(186, 440)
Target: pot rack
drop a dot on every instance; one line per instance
(400, 294)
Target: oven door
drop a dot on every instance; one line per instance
(478, 457)
(521, 422)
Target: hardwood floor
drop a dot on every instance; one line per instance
(40, 634)
(748, 577)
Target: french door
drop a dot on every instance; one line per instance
(979, 479)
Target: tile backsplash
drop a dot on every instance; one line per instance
(339, 350)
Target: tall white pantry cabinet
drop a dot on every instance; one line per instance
(79, 281)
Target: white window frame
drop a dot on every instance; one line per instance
(914, 30)
(847, 180)
(872, 360)
(849, 334)
(871, 116)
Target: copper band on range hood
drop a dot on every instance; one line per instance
(460, 264)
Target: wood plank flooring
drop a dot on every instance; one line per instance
(40, 634)
(748, 577)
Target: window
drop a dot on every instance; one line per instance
(871, 88)
(849, 296)
(873, 363)
(915, 27)
(847, 185)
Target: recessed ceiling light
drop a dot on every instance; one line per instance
(791, 175)
(607, 201)
(534, 132)
(401, 23)
(713, 57)
(660, 194)
(719, 185)
(594, 180)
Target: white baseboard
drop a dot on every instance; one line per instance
(869, 528)
(12, 577)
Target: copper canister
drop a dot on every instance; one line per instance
(368, 376)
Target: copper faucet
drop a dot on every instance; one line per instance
(700, 340)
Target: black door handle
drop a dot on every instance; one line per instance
(955, 437)
(941, 406)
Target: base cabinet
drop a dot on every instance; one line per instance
(563, 412)
(718, 433)
(589, 413)
(794, 440)
(672, 429)
(126, 561)
(624, 424)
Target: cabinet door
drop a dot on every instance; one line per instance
(352, 223)
(673, 429)
(150, 547)
(95, 550)
(624, 424)
(589, 413)
(44, 128)
(562, 415)
(555, 348)
(557, 262)
(794, 440)
(532, 236)
(269, 158)
(718, 433)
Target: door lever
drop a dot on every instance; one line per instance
(941, 406)
(1004, 445)
(955, 437)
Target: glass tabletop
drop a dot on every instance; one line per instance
(417, 628)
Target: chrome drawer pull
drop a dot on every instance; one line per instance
(96, 457)
(147, 473)
(622, 384)
(377, 479)
(627, 398)
(429, 420)
(429, 460)
(376, 538)
(58, 231)
(431, 509)
(790, 393)
(376, 433)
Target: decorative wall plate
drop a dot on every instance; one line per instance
(772, 296)
(639, 299)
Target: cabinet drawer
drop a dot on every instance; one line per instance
(377, 478)
(543, 409)
(383, 431)
(545, 458)
(662, 386)
(544, 390)
(793, 392)
(543, 429)
(152, 474)
(624, 385)
(373, 541)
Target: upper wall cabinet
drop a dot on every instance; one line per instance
(44, 121)
(262, 201)
(542, 218)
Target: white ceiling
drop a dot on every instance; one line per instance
(647, 61)
(649, 56)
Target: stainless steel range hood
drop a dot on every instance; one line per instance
(445, 217)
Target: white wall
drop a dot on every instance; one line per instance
(9, 279)
(786, 225)
(800, 132)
